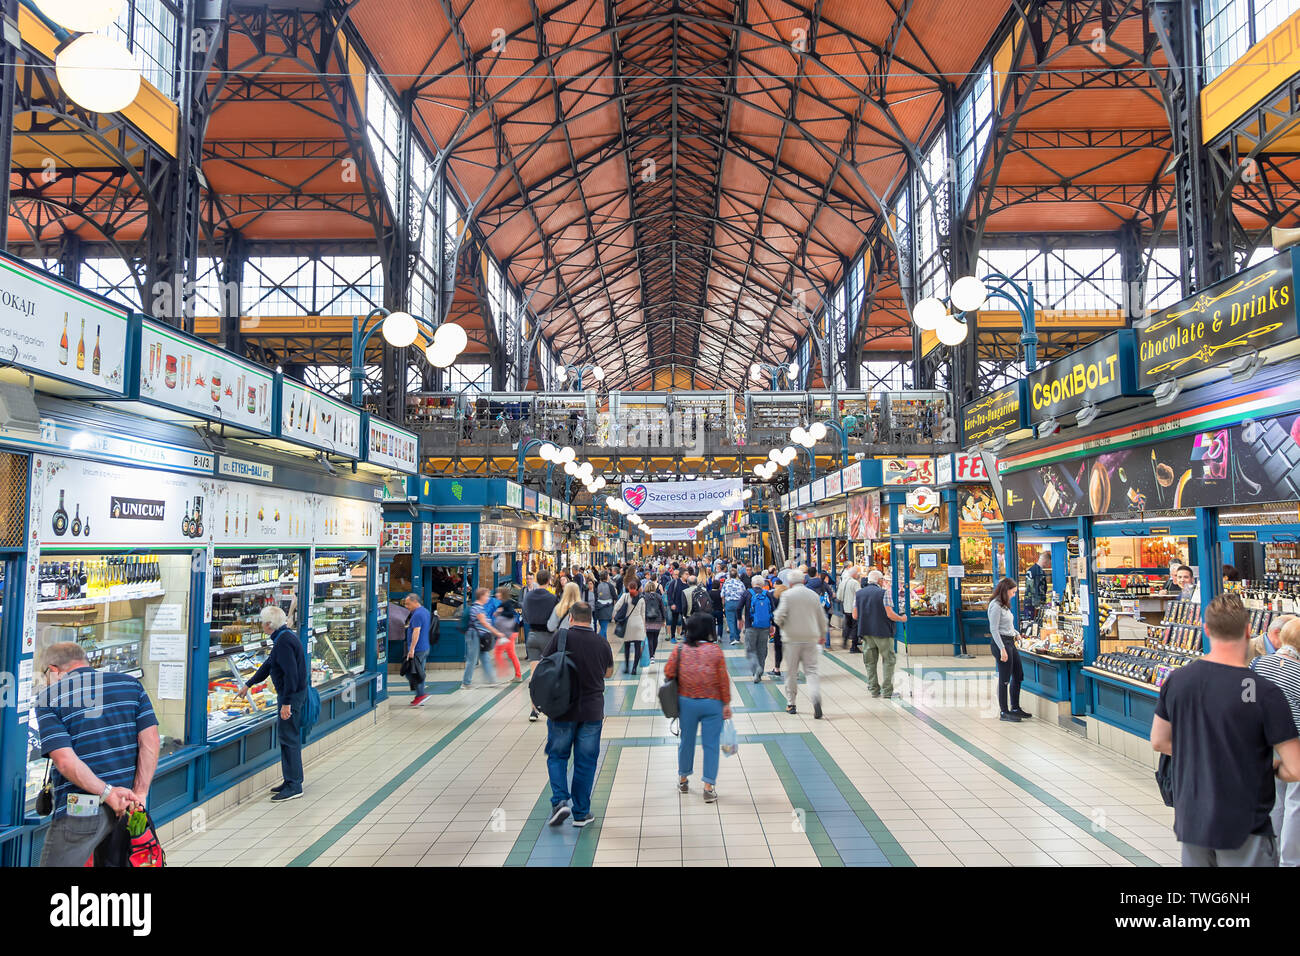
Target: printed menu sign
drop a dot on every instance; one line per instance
(447, 539)
(514, 495)
(308, 417)
(391, 446)
(1252, 310)
(997, 413)
(52, 328)
(193, 377)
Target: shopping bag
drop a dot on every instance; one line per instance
(727, 742)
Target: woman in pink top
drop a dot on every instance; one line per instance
(704, 698)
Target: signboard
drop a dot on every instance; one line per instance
(56, 436)
(1254, 309)
(819, 489)
(514, 495)
(447, 539)
(248, 470)
(52, 328)
(851, 477)
(201, 380)
(833, 486)
(497, 538)
(961, 468)
(923, 512)
(90, 504)
(681, 497)
(997, 413)
(976, 505)
(244, 514)
(392, 447)
(310, 418)
(530, 501)
(909, 471)
(1093, 374)
(347, 521)
(674, 534)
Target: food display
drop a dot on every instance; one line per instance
(340, 589)
(1054, 633)
(976, 591)
(1146, 665)
(928, 583)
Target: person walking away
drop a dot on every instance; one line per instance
(704, 698)
(774, 591)
(506, 620)
(715, 602)
(538, 605)
(1221, 723)
(480, 637)
(1011, 671)
(99, 730)
(630, 610)
(803, 627)
(656, 613)
(756, 612)
(733, 593)
(874, 621)
(419, 628)
(606, 595)
(577, 731)
(848, 598)
(1282, 667)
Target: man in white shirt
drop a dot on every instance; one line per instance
(847, 594)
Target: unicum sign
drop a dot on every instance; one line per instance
(138, 509)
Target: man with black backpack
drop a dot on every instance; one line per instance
(581, 668)
(756, 613)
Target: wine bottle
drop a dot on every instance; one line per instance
(81, 348)
(76, 522)
(94, 359)
(63, 342)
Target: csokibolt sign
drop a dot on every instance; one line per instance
(1091, 375)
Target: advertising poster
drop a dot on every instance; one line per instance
(447, 539)
(346, 521)
(977, 505)
(248, 514)
(864, 516)
(392, 447)
(55, 329)
(309, 417)
(923, 513)
(181, 373)
(684, 497)
(909, 471)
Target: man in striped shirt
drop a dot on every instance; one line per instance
(1282, 667)
(99, 730)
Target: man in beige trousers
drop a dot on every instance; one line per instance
(803, 626)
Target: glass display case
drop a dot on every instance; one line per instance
(927, 581)
(243, 584)
(131, 614)
(340, 590)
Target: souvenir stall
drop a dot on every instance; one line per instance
(161, 499)
(978, 541)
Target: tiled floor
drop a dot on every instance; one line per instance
(929, 779)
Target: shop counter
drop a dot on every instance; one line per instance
(1052, 678)
(928, 629)
(1121, 702)
(975, 625)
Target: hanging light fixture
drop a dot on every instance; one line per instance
(451, 336)
(98, 73)
(399, 329)
(928, 313)
(952, 331)
(969, 294)
(82, 16)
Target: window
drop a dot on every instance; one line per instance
(278, 286)
(1164, 285)
(903, 236)
(838, 333)
(150, 29)
(347, 285)
(974, 123)
(994, 375)
(1077, 279)
(384, 131)
(932, 219)
(884, 376)
(469, 377)
(112, 277)
(1231, 27)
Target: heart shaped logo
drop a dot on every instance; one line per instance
(635, 496)
(691, 533)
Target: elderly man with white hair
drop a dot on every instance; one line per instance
(803, 626)
(847, 595)
(876, 621)
(287, 667)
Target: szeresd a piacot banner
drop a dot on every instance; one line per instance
(674, 534)
(684, 497)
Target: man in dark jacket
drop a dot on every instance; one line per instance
(536, 610)
(287, 667)
(675, 598)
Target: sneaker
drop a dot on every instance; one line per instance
(875, 693)
(420, 699)
(584, 821)
(735, 643)
(711, 796)
(518, 680)
(284, 795)
(1010, 717)
(466, 686)
(683, 786)
(817, 710)
(758, 679)
(558, 813)
(1022, 714)
(278, 787)
(790, 709)
(533, 717)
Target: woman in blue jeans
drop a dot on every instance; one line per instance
(704, 695)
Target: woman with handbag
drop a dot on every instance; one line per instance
(629, 627)
(703, 698)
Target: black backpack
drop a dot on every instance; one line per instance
(554, 684)
(700, 602)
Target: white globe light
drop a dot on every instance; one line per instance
(928, 313)
(952, 332)
(451, 336)
(818, 431)
(547, 452)
(98, 73)
(807, 440)
(774, 455)
(567, 454)
(969, 294)
(598, 373)
(570, 468)
(399, 329)
(440, 356)
(747, 495)
(82, 16)
(758, 470)
(797, 434)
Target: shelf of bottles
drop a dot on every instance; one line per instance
(1129, 585)
(83, 583)
(340, 590)
(1056, 632)
(1281, 570)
